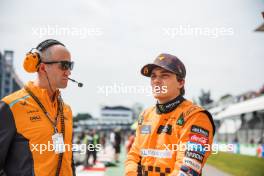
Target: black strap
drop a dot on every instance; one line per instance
(63, 132)
(211, 120)
(54, 124)
(48, 43)
(59, 111)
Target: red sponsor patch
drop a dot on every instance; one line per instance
(198, 138)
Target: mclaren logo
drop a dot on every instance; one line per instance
(23, 103)
(165, 129)
(161, 58)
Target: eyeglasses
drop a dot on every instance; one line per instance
(64, 65)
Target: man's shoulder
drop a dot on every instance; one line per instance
(194, 111)
(15, 97)
(143, 115)
(149, 110)
(65, 104)
(189, 108)
(67, 107)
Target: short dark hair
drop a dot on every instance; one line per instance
(182, 90)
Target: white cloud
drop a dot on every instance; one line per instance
(133, 36)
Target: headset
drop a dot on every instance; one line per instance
(33, 57)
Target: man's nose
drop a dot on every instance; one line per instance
(67, 72)
(157, 80)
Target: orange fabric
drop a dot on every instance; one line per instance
(31, 122)
(150, 148)
(130, 142)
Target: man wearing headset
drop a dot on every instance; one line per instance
(35, 123)
(173, 137)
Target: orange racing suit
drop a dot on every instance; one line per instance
(173, 143)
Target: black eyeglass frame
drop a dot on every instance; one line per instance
(64, 65)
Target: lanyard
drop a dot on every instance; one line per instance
(54, 124)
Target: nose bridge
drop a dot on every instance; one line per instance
(157, 79)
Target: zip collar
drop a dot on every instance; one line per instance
(169, 106)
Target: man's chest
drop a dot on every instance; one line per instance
(157, 130)
(33, 123)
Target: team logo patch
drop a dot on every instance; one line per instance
(180, 120)
(23, 103)
(140, 120)
(194, 155)
(193, 164)
(189, 171)
(162, 108)
(145, 129)
(161, 58)
(181, 173)
(156, 153)
(192, 146)
(198, 138)
(189, 111)
(35, 118)
(199, 130)
(32, 111)
(165, 129)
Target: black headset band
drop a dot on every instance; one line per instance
(48, 43)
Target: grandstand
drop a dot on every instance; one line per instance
(240, 122)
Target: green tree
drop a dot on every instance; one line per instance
(82, 116)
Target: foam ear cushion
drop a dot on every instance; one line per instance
(31, 62)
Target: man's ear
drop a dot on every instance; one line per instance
(42, 67)
(181, 83)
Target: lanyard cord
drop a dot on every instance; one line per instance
(54, 124)
(63, 132)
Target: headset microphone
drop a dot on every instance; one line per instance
(79, 84)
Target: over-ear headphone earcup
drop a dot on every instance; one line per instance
(32, 59)
(31, 62)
